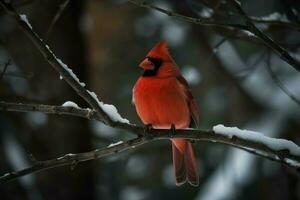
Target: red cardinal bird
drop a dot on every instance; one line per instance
(163, 100)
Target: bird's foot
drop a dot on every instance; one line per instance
(173, 130)
(147, 128)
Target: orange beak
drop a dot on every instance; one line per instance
(146, 64)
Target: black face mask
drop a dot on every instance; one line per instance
(156, 63)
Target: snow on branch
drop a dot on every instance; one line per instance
(65, 72)
(269, 42)
(272, 143)
(278, 150)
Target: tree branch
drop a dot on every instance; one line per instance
(6, 65)
(286, 154)
(198, 21)
(283, 24)
(277, 49)
(257, 146)
(50, 109)
(57, 64)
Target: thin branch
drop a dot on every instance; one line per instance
(60, 67)
(50, 109)
(284, 155)
(258, 20)
(58, 14)
(288, 153)
(198, 21)
(280, 51)
(6, 64)
(283, 24)
(279, 83)
(73, 159)
(209, 135)
(277, 49)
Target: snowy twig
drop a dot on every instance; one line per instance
(277, 49)
(56, 63)
(50, 109)
(278, 150)
(289, 25)
(283, 151)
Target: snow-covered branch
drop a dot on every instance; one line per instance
(269, 42)
(279, 150)
(50, 109)
(64, 71)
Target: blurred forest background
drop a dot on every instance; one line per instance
(234, 77)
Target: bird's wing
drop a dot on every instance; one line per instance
(190, 100)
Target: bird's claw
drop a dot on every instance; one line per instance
(173, 130)
(147, 128)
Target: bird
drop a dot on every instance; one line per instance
(163, 100)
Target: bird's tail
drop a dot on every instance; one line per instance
(184, 162)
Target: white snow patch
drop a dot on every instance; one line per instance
(114, 144)
(293, 163)
(109, 109)
(24, 19)
(70, 104)
(273, 17)
(248, 33)
(70, 71)
(273, 143)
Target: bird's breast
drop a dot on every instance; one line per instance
(161, 102)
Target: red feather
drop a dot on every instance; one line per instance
(164, 99)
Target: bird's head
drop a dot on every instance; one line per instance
(158, 61)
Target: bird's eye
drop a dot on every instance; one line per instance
(156, 61)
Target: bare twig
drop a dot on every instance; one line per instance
(198, 21)
(58, 14)
(6, 64)
(283, 24)
(278, 82)
(280, 51)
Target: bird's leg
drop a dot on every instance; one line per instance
(173, 130)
